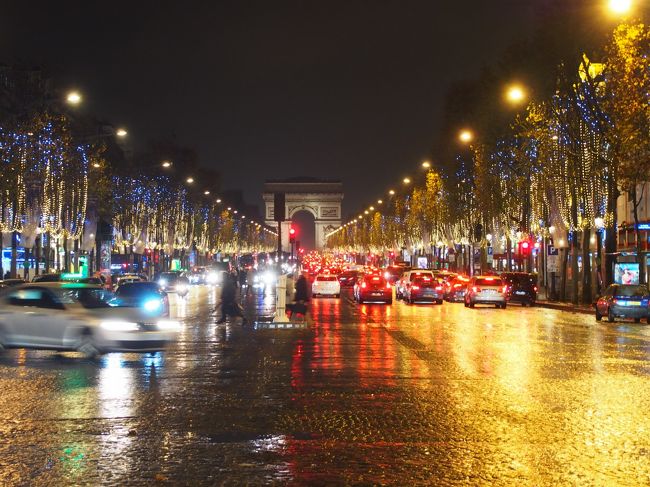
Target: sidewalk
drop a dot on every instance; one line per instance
(543, 302)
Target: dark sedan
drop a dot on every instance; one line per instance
(424, 289)
(624, 301)
(373, 288)
(145, 295)
(348, 278)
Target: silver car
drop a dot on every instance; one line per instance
(486, 290)
(81, 317)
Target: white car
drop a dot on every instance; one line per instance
(326, 285)
(81, 317)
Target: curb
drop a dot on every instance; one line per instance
(562, 307)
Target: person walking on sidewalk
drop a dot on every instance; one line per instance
(229, 305)
(301, 299)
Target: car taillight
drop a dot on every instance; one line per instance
(535, 288)
(438, 288)
(363, 285)
(475, 289)
(415, 287)
(505, 289)
(458, 285)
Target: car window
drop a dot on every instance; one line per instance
(488, 281)
(86, 297)
(136, 289)
(26, 297)
(415, 275)
(631, 291)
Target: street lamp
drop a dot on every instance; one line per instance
(620, 7)
(426, 164)
(73, 98)
(379, 202)
(189, 180)
(406, 181)
(391, 192)
(166, 164)
(465, 136)
(121, 132)
(218, 200)
(515, 94)
(206, 192)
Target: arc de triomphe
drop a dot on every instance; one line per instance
(320, 197)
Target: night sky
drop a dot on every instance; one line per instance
(348, 89)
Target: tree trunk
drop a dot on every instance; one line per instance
(574, 268)
(610, 235)
(564, 265)
(508, 254)
(14, 255)
(586, 267)
(640, 257)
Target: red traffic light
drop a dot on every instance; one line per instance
(525, 245)
(292, 231)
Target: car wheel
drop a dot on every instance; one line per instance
(599, 317)
(86, 346)
(610, 315)
(2, 339)
(503, 306)
(390, 301)
(439, 301)
(465, 303)
(531, 303)
(471, 304)
(337, 295)
(637, 320)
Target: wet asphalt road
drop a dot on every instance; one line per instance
(370, 394)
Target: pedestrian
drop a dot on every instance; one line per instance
(301, 299)
(250, 279)
(7, 275)
(229, 305)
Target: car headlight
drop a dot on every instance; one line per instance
(152, 305)
(211, 278)
(168, 325)
(119, 325)
(269, 278)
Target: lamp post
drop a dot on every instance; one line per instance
(599, 222)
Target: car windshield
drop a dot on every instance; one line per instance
(134, 289)
(630, 291)
(86, 297)
(376, 280)
(417, 275)
(488, 281)
(425, 282)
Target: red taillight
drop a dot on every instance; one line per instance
(415, 287)
(535, 288)
(438, 288)
(363, 285)
(458, 285)
(505, 289)
(475, 289)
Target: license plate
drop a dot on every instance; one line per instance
(488, 291)
(521, 293)
(376, 294)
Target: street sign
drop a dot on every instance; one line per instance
(490, 250)
(550, 250)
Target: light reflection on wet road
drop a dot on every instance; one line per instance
(370, 394)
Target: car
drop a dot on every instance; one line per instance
(174, 282)
(373, 288)
(124, 278)
(47, 278)
(5, 283)
(522, 287)
(79, 317)
(326, 285)
(486, 290)
(348, 278)
(455, 289)
(198, 275)
(624, 301)
(393, 272)
(408, 276)
(90, 280)
(145, 295)
(424, 288)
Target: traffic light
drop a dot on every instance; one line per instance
(292, 235)
(525, 247)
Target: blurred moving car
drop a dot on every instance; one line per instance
(624, 301)
(124, 278)
(73, 316)
(373, 288)
(348, 278)
(407, 277)
(198, 275)
(145, 295)
(5, 283)
(423, 289)
(486, 290)
(455, 289)
(522, 287)
(326, 285)
(174, 282)
(54, 277)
